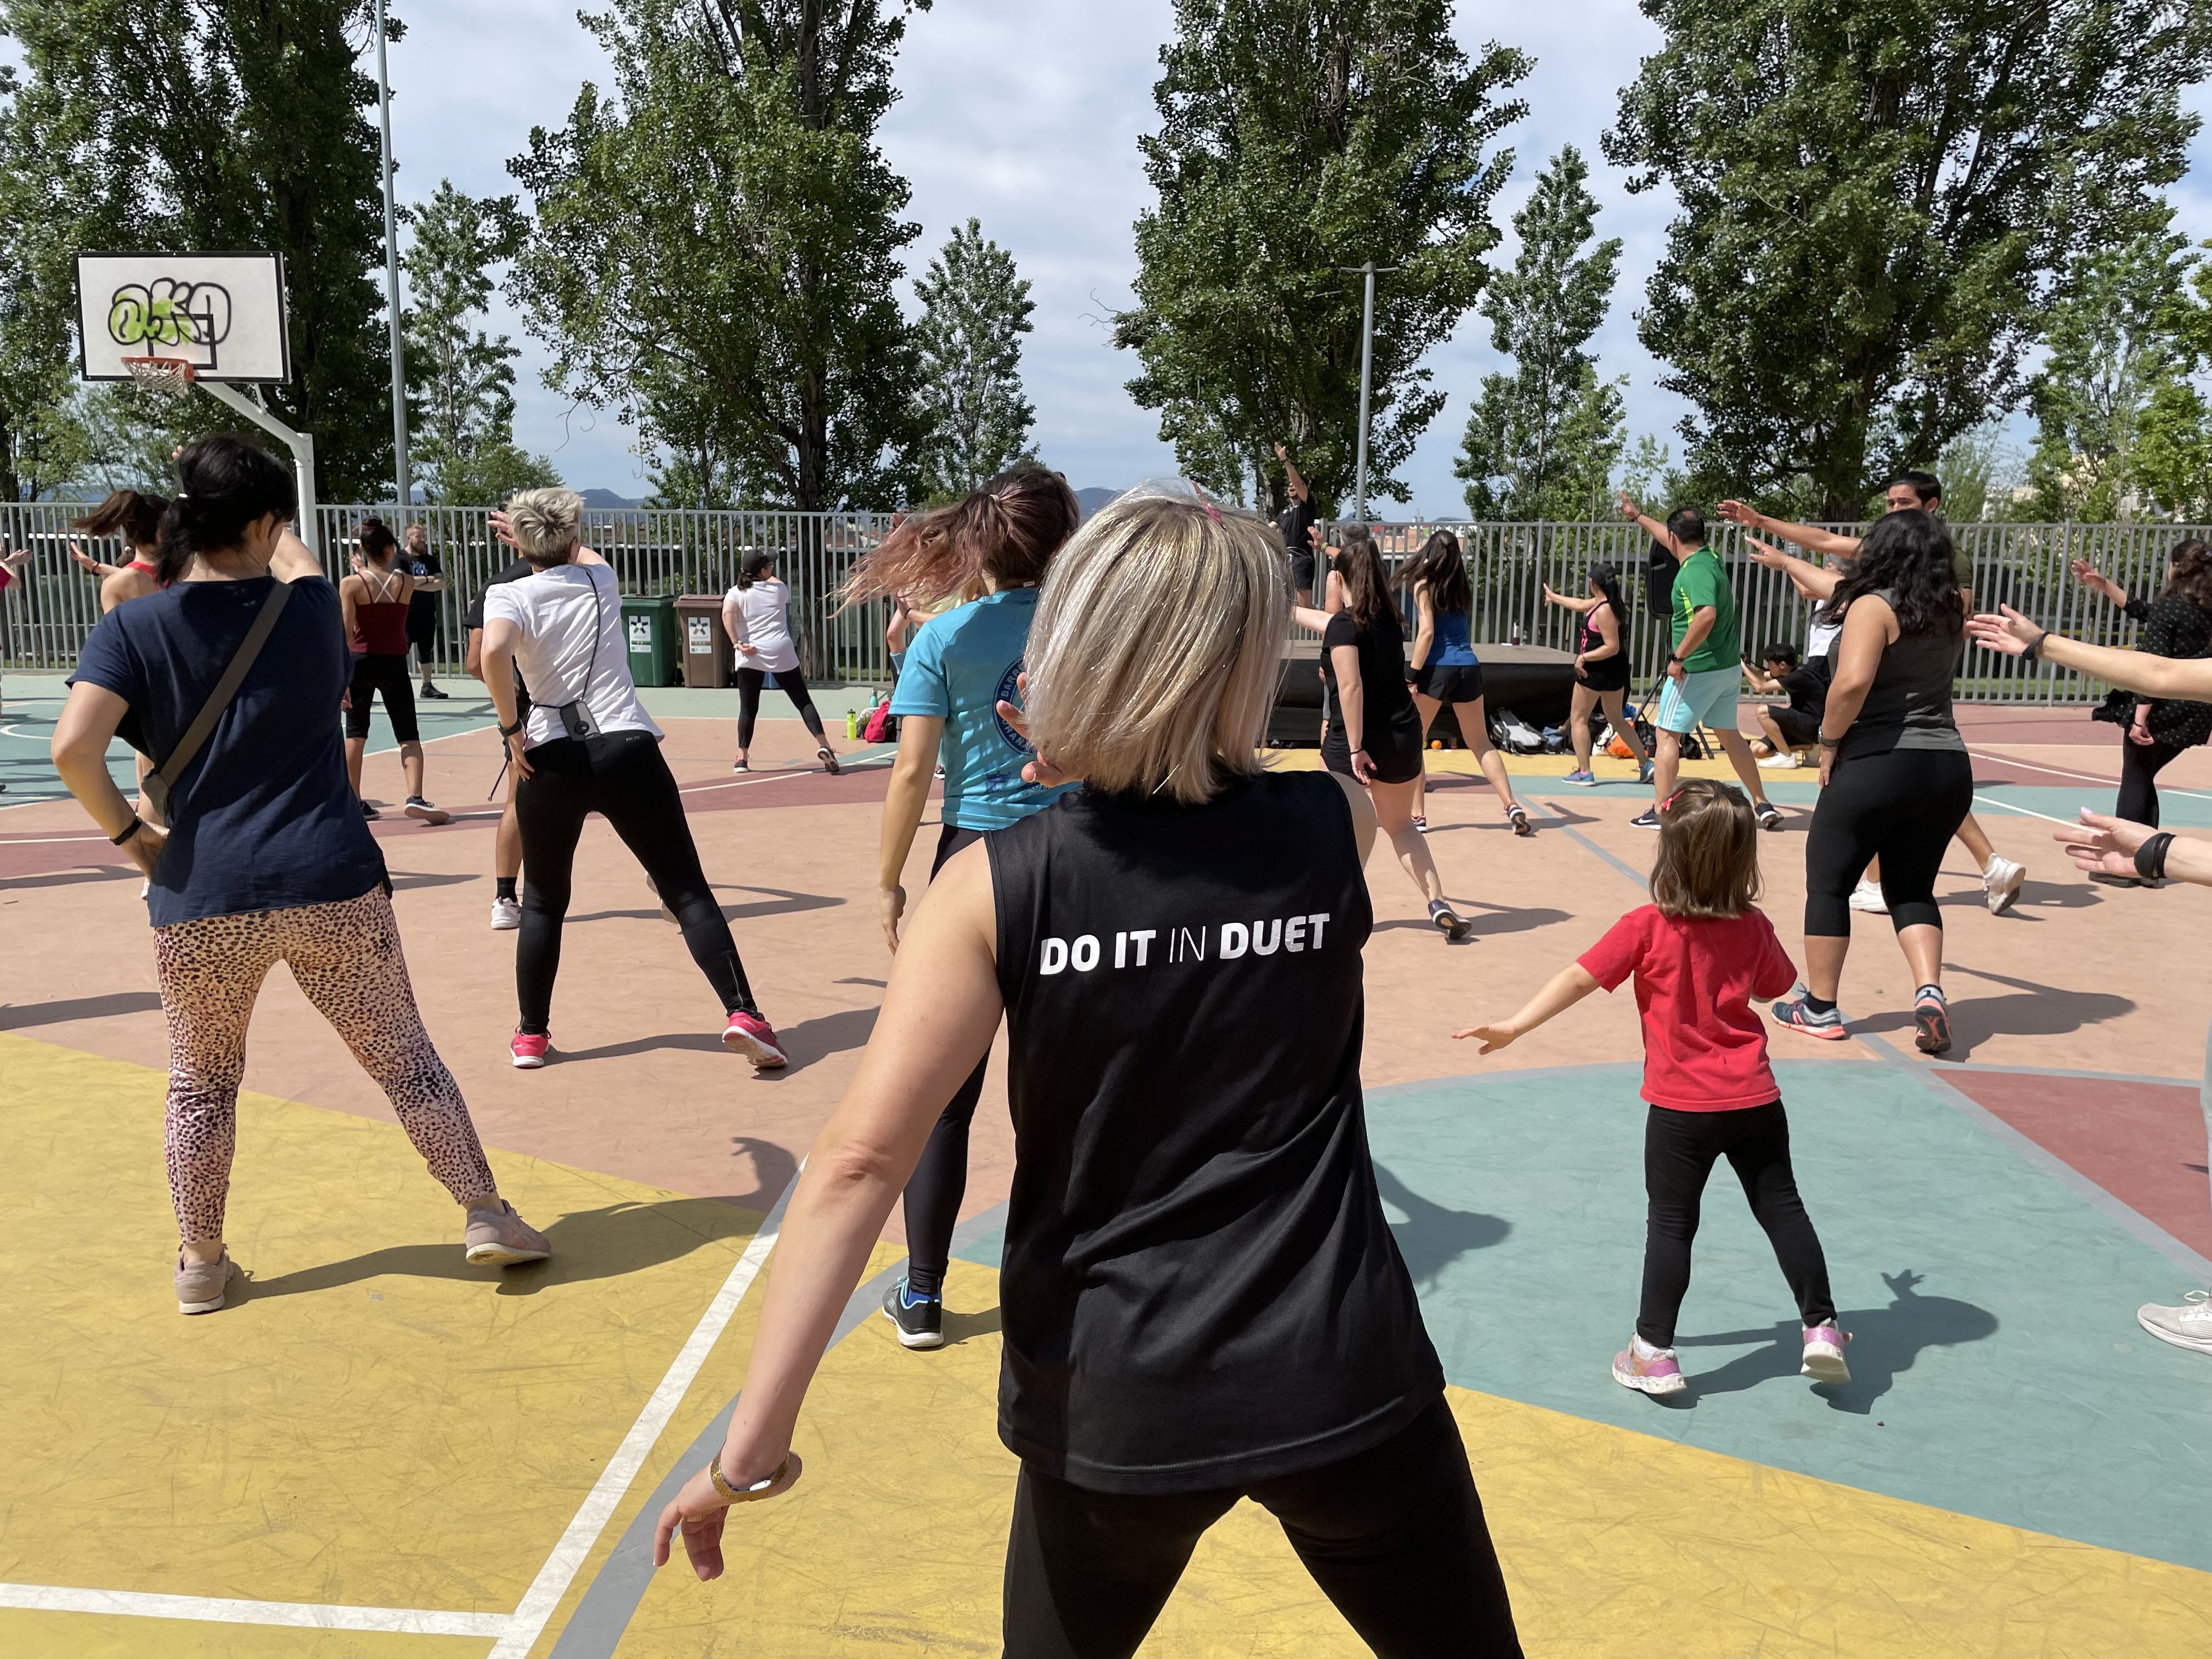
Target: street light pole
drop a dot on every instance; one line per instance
(1366, 370)
(402, 482)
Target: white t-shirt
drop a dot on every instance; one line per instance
(570, 619)
(763, 616)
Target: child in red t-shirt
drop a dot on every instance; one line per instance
(1701, 952)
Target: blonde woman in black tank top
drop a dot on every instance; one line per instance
(1202, 1298)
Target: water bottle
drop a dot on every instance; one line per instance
(1514, 638)
(852, 723)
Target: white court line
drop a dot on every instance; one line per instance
(298, 1615)
(2086, 777)
(2007, 806)
(568, 1555)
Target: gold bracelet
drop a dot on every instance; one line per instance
(731, 1494)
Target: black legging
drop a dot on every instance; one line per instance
(621, 775)
(1679, 1150)
(792, 683)
(374, 673)
(1394, 1536)
(939, 1182)
(2140, 765)
(1904, 807)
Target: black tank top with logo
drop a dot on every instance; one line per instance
(1199, 1287)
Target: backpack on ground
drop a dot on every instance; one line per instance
(880, 726)
(1515, 736)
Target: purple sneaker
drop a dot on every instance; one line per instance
(1647, 1370)
(1824, 1354)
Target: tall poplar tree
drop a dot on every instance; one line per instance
(1876, 198)
(1541, 442)
(974, 310)
(715, 247)
(1298, 137)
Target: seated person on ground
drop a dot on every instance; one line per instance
(1796, 725)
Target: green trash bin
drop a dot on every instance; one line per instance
(649, 630)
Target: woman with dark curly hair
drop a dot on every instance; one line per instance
(1895, 779)
(2177, 623)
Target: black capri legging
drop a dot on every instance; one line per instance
(791, 683)
(1903, 806)
(374, 673)
(621, 775)
(940, 1181)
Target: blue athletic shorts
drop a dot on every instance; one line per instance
(1707, 698)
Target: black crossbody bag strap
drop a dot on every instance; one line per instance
(163, 778)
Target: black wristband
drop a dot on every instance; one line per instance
(2034, 652)
(137, 823)
(509, 731)
(2150, 857)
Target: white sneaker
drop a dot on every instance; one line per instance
(2189, 1326)
(2000, 884)
(1784, 762)
(506, 914)
(1867, 897)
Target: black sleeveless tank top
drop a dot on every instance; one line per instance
(1200, 1288)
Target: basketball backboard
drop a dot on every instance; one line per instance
(224, 312)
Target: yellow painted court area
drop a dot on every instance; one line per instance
(417, 1434)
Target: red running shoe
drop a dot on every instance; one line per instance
(753, 1037)
(529, 1052)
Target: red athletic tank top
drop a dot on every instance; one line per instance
(383, 620)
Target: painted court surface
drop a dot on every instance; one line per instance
(379, 1451)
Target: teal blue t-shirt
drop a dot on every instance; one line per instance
(957, 669)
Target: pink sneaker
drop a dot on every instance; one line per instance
(1647, 1370)
(529, 1051)
(1824, 1354)
(753, 1037)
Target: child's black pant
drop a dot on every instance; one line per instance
(1679, 1150)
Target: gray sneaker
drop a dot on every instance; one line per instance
(200, 1284)
(2189, 1326)
(500, 1238)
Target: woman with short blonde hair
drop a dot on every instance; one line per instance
(1200, 1295)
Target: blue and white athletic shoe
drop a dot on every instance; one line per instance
(920, 1319)
(1798, 1017)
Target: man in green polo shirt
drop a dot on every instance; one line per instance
(1704, 671)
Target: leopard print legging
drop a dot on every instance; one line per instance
(346, 957)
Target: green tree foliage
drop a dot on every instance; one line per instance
(1874, 196)
(224, 123)
(1299, 136)
(1542, 441)
(715, 247)
(42, 443)
(974, 310)
(460, 380)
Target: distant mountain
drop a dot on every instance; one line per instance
(1092, 499)
(606, 498)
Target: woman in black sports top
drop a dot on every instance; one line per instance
(1202, 1300)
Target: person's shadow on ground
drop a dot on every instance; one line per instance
(1885, 1342)
(1431, 1237)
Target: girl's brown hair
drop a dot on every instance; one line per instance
(131, 515)
(2190, 574)
(1004, 533)
(1708, 852)
(1366, 584)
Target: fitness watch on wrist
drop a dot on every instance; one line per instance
(509, 731)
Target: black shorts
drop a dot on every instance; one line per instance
(1452, 683)
(1801, 730)
(1607, 674)
(1394, 754)
(422, 627)
(370, 673)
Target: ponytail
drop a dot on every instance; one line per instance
(1005, 533)
(128, 514)
(224, 484)
(752, 567)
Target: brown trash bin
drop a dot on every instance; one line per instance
(707, 650)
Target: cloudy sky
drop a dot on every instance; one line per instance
(1025, 113)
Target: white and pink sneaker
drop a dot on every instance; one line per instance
(528, 1051)
(1647, 1370)
(1824, 1354)
(753, 1037)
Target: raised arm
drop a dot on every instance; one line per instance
(293, 560)
(1825, 542)
(1642, 521)
(2014, 636)
(1300, 489)
(1811, 581)
(1562, 600)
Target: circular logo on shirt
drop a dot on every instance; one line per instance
(1008, 691)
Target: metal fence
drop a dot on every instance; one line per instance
(2026, 566)
(43, 621)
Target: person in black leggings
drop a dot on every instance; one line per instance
(1895, 779)
(586, 745)
(757, 614)
(2177, 623)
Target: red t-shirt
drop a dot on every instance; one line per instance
(1705, 1047)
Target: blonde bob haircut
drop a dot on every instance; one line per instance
(545, 523)
(1153, 659)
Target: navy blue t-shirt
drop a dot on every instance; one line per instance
(263, 818)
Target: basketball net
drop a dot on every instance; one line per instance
(160, 376)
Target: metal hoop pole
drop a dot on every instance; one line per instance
(301, 444)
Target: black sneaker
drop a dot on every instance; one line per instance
(1647, 819)
(368, 811)
(1769, 815)
(920, 1323)
(1449, 922)
(434, 694)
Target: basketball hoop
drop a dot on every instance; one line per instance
(165, 377)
